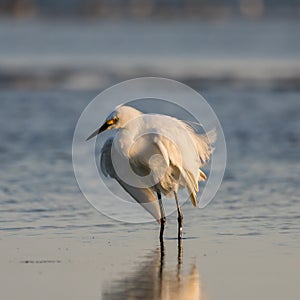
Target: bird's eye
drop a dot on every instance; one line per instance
(112, 121)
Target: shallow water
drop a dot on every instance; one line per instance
(91, 54)
(260, 184)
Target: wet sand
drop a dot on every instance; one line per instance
(129, 266)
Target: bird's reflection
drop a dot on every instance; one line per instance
(155, 278)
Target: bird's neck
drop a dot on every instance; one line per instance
(125, 141)
(128, 136)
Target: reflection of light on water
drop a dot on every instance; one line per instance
(185, 287)
(155, 279)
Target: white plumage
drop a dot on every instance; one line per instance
(153, 153)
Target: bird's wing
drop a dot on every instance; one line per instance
(144, 196)
(203, 144)
(181, 148)
(175, 161)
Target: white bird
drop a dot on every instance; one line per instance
(154, 154)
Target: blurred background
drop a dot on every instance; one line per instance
(146, 8)
(88, 44)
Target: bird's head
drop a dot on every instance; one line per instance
(117, 119)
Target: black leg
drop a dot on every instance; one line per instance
(162, 219)
(161, 268)
(162, 255)
(180, 217)
(179, 257)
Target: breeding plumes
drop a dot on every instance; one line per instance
(154, 154)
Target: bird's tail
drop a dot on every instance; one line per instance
(204, 145)
(192, 186)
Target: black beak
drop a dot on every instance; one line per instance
(101, 129)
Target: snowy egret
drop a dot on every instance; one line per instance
(162, 151)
